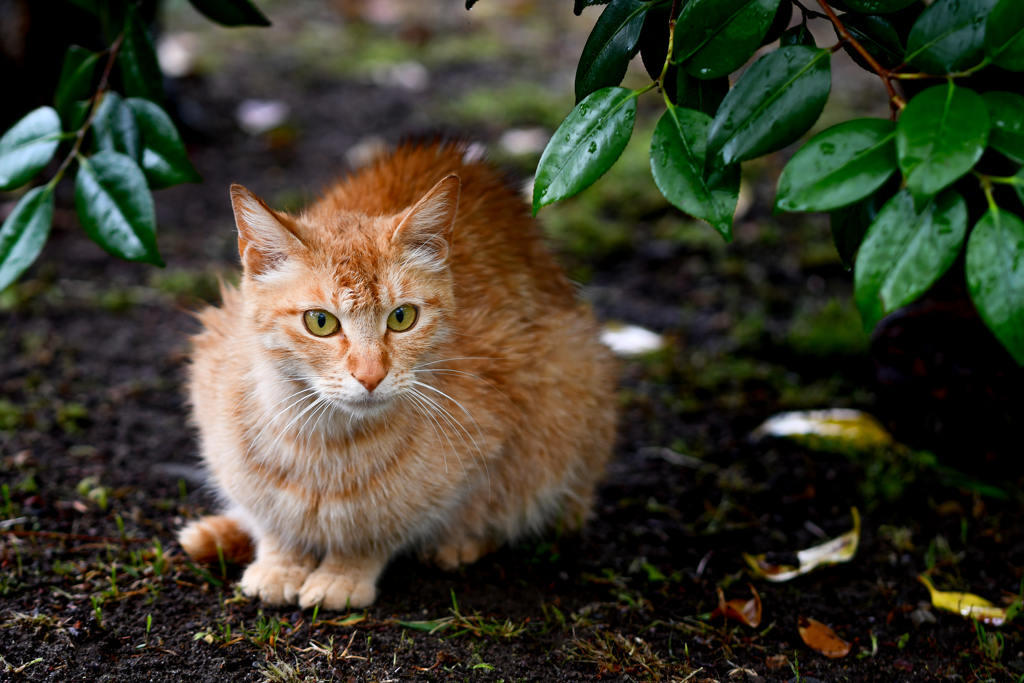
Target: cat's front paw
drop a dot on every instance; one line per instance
(274, 582)
(465, 551)
(337, 591)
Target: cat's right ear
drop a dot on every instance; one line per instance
(265, 238)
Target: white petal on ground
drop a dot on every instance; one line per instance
(259, 116)
(521, 141)
(176, 53)
(631, 340)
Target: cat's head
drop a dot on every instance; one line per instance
(349, 304)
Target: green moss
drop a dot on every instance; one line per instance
(200, 284)
(519, 104)
(11, 415)
(833, 330)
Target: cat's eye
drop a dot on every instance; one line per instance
(402, 318)
(321, 323)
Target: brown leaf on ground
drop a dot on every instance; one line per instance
(822, 639)
(747, 612)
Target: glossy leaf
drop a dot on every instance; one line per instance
(905, 251)
(116, 208)
(940, 136)
(1004, 35)
(773, 103)
(839, 166)
(995, 277)
(716, 37)
(1006, 116)
(140, 71)
(579, 5)
(164, 159)
(588, 142)
(114, 127)
(1018, 185)
(700, 94)
(75, 81)
(849, 224)
(24, 233)
(875, 34)
(653, 42)
(612, 43)
(798, 35)
(875, 6)
(28, 146)
(238, 12)
(780, 22)
(678, 148)
(948, 36)
(821, 638)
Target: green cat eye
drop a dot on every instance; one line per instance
(320, 323)
(402, 318)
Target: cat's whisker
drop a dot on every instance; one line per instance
(293, 421)
(445, 360)
(307, 392)
(468, 374)
(321, 401)
(454, 424)
(419, 410)
(476, 423)
(427, 403)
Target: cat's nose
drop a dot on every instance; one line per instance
(370, 377)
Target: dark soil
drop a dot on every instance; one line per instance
(101, 468)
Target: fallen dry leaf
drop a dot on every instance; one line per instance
(967, 605)
(821, 638)
(747, 612)
(841, 549)
(828, 429)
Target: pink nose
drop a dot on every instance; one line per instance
(370, 377)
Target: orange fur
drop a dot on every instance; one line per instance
(491, 417)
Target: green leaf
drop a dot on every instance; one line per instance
(24, 233)
(940, 136)
(75, 80)
(114, 127)
(850, 223)
(28, 146)
(653, 42)
(1018, 185)
(612, 43)
(678, 148)
(875, 6)
(878, 36)
(773, 103)
(716, 37)
(798, 35)
(578, 5)
(164, 159)
(116, 208)
(905, 251)
(783, 15)
(588, 142)
(240, 12)
(948, 36)
(839, 166)
(1004, 35)
(139, 68)
(1006, 116)
(699, 94)
(995, 277)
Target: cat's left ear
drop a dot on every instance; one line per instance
(427, 228)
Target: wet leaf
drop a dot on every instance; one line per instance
(774, 102)
(678, 147)
(995, 277)
(853, 428)
(27, 147)
(1004, 35)
(116, 208)
(653, 41)
(579, 5)
(75, 81)
(1006, 116)
(905, 251)
(967, 605)
(704, 95)
(850, 223)
(877, 6)
(798, 35)
(588, 142)
(238, 12)
(940, 136)
(115, 128)
(747, 612)
(948, 36)
(24, 233)
(839, 166)
(822, 639)
(783, 15)
(838, 550)
(875, 34)
(610, 47)
(164, 160)
(139, 68)
(716, 37)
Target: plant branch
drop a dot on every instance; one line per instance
(80, 133)
(672, 16)
(896, 103)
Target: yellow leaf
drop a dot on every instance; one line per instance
(967, 605)
(828, 429)
(840, 549)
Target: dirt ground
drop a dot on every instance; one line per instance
(100, 466)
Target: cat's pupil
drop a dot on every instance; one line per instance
(400, 315)
(321, 320)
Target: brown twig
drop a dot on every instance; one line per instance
(896, 103)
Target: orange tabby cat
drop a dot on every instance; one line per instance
(403, 367)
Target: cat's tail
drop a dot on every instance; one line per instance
(201, 539)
